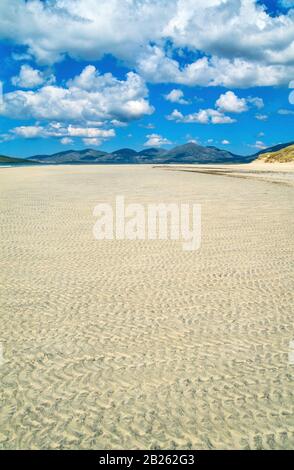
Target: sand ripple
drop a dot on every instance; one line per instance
(139, 344)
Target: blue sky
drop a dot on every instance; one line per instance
(111, 74)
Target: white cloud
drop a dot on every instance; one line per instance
(66, 141)
(156, 67)
(21, 56)
(203, 116)
(255, 101)
(225, 142)
(261, 117)
(218, 21)
(287, 3)
(148, 126)
(176, 115)
(156, 140)
(65, 133)
(84, 29)
(117, 123)
(31, 78)
(246, 46)
(176, 96)
(89, 132)
(286, 112)
(28, 132)
(259, 145)
(92, 141)
(230, 103)
(88, 97)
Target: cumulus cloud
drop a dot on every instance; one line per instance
(256, 35)
(83, 29)
(176, 96)
(156, 140)
(156, 67)
(28, 132)
(89, 132)
(92, 141)
(229, 102)
(88, 97)
(261, 52)
(203, 116)
(31, 78)
(176, 115)
(225, 142)
(66, 141)
(66, 133)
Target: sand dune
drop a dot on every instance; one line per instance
(138, 344)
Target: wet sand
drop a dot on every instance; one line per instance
(276, 173)
(138, 344)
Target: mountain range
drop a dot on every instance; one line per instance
(187, 153)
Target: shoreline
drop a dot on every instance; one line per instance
(274, 172)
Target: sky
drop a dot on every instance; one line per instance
(110, 74)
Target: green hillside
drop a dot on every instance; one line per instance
(13, 160)
(284, 155)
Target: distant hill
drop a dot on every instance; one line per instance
(188, 153)
(124, 153)
(275, 148)
(152, 152)
(13, 161)
(283, 155)
(193, 153)
(124, 156)
(121, 156)
(71, 156)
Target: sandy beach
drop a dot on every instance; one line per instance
(137, 344)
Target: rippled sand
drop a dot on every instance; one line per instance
(138, 344)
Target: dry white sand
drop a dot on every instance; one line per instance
(270, 172)
(138, 344)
